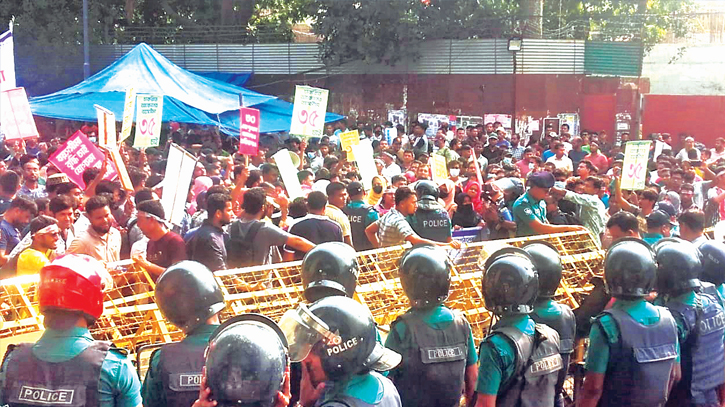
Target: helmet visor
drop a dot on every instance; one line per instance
(303, 330)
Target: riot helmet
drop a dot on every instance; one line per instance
(246, 361)
(427, 190)
(187, 295)
(425, 274)
(678, 267)
(712, 257)
(630, 269)
(510, 282)
(73, 282)
(548, 265)
(329, 269)
(341, 332)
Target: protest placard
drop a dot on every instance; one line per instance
(439, 168)
(148, 120)
(288, 172)
(128, 111)
(365, 162)
(106, 127)
(347, 140)
(77, 154)
(7, 61)
(248, 131)
(308, 113)
(176, 188)
(468, 235)
(391, 133)
(634, 168)
(15, 115)
(121, 168)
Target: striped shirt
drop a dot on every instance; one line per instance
(393, 229)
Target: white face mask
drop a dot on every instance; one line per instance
(455, 172)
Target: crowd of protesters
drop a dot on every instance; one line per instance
(238, 213)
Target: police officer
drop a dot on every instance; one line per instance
(700, 324)
(329, 269)
(439, 354)
(335, 340)
(66, 366)
(361, 215)
(519, 360)
(712, 278)
(246, 365)
(549, 312)
(189, 297)
(430, 220)
(529, 210)
(633, 352)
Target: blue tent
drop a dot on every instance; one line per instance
(188, 98)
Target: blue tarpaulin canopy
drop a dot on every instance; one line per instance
(188, 98)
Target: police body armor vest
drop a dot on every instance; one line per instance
(703, 354)
(432, 225)
(537, 368)
(30, 381)
(358, 218)
(434, 365)
(711, 290)
(638, 372)
(565, 325)
(181, 365)
(390, 397)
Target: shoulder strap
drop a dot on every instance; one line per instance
(254, 229)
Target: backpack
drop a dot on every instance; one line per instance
(240, 248)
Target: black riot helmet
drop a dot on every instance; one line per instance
(427, 190)
(246, 361)
(341, 332)
(510, 282)
(712, 257)
(329, 269)
(425, 273)
(187, 295)
(630, 269)
(678, 267)
(548, 265)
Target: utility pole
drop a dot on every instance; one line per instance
(86, 51)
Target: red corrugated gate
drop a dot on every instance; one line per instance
(703, 117)
(598, 112)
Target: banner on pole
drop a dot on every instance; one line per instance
(15, 115)
(634, 168)
(148, 120)
(439, 168)
(128, 111)
(308, 113)
(76, 155)
(288, 171)
(180, 163)
(106, 127)
(365, 162)
(7, 61)
(347, 140)
(249, 131)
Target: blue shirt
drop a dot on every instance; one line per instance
(9, 236)
(118, 385)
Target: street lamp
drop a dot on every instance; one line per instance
(514, 46)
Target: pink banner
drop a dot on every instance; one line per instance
(78, 154)
(248, 131)
(15, 115)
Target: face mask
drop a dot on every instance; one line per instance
(445, 194)
(378, 189)
(468, 206)
(455, 172)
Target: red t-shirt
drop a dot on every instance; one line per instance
(166, 251)
(600, 161)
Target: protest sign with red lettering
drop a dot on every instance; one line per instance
(15, 115)
(248, 131)
(76, 155)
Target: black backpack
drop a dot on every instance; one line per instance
(240, 247)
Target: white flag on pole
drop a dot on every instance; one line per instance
(7, 61)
